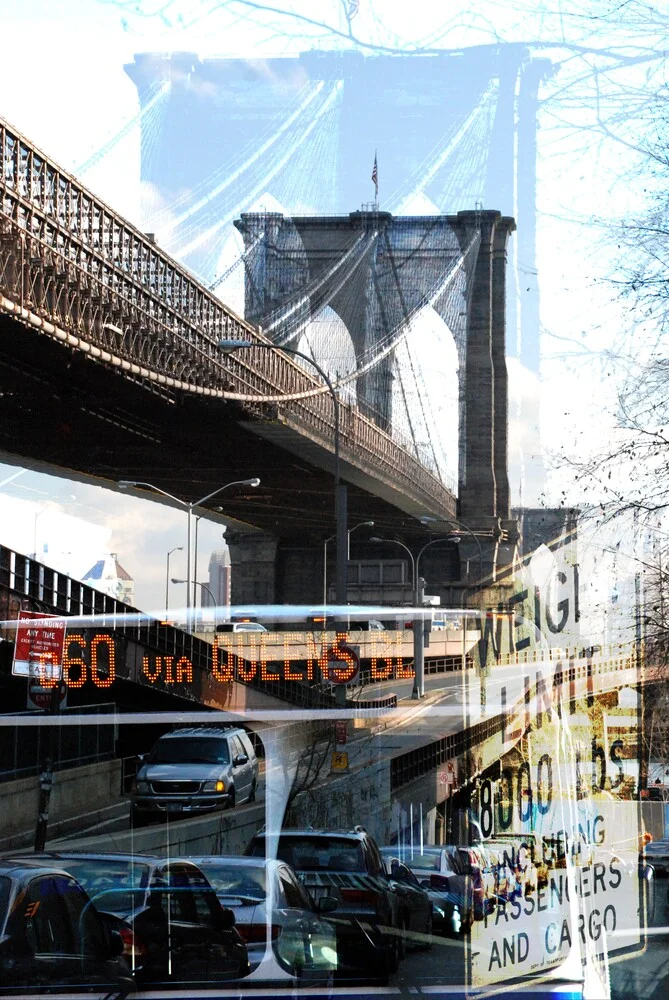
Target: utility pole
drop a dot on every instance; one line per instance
(419, 642)
(46, 776)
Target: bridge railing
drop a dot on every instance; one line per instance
(74, 268)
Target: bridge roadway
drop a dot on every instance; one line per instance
(109, 370)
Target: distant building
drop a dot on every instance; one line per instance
(108, 576)
(219, 580)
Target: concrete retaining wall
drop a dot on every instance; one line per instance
(76, 792)
(217, 833)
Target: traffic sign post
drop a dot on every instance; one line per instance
(38, 656)
(56, 695)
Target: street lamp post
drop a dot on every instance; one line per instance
(419, 597)
(418, 690)
(363, 524)
(128, 483)
(196, 583)
(341, 515)
(178, 548)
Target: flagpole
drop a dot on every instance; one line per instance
(375, 178)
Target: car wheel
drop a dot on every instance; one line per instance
(252, 793)
(231, 799)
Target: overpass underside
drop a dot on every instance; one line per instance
(63, 412)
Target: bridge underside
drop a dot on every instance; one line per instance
(63, 413)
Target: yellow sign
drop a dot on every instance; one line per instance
(339, 761)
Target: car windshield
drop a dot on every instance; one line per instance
(414, 859)
(190, 750)
(246, 881)
(116, 886)
(317, 853)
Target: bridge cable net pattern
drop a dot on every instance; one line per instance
(251, 183)
(149, 117)
(194, 223)
(83, 275)
(396, 304)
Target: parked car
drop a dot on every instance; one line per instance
(51, 935)
(441, 871)
(656, 853)
(479, 868)
(195, 770)
(348, 867)
(169, 917)
(287, 937)
(415, 911)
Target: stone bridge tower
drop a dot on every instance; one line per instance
(376, 271)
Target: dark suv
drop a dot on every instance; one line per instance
(349, 867)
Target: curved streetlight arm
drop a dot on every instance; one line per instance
(237, 482)
(435, 541)
(418, 690)
(228, 346)
(204, 587)
(177, 548)
(453, 520)
(127, 483)
(394, 541)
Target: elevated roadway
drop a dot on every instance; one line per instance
(109, 369)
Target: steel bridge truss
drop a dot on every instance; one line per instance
(74, 269)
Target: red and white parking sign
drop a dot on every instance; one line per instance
(38, 651)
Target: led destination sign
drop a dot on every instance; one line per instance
(100, 657)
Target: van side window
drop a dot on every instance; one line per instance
(248, 746)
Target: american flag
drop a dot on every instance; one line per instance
(375, 177)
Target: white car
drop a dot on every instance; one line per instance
(288, 939)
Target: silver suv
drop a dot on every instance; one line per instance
(195, 770)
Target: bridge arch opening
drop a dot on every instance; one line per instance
(425, 389)
(328, 341)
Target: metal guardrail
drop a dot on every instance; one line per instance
(22, 749)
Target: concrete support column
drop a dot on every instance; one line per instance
(253, 567)
(266, 570)
(300, 573)
(477, 492)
